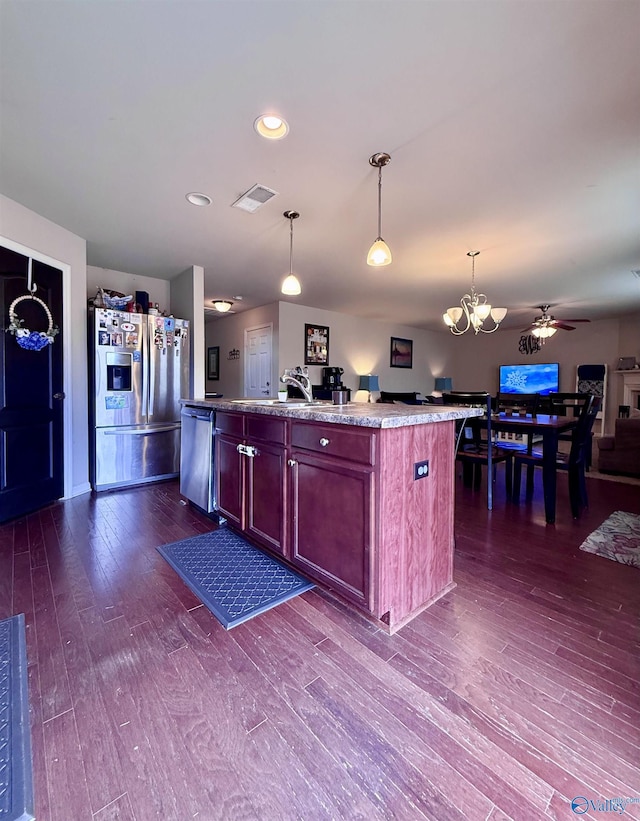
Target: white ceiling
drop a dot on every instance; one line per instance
(513, 128)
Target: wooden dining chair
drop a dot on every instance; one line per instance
(516, 403)
(574, 462)
(567, 404)
(473, 450)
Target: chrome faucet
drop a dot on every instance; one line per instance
(300, 378)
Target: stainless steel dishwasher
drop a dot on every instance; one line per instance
(197, 469)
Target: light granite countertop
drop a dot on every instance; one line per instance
(374, 415)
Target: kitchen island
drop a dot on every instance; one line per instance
(358, 497)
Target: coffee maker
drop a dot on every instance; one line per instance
(332, 379)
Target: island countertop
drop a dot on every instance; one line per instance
(362, 414)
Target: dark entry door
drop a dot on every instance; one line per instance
(31, 397)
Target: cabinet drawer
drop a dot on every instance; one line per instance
(335, 440)
(230, 423)
(266, 429)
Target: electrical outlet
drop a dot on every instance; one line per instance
(421, 469)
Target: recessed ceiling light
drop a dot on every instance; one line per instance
(271, 126)
(196, 198)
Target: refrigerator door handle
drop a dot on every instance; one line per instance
(145, 373)
(145, 432)
(152, 380)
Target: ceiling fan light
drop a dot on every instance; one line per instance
(291, 285)
(222, 305)
(498, 314)
(379, 254)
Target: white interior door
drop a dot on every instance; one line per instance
(258, 357)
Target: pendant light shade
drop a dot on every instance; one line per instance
(291, 283)
(379, 253)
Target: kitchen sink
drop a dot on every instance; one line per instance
(290, 403)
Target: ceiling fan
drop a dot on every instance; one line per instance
(546, 324)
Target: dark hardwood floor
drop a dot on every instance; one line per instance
(515, 693)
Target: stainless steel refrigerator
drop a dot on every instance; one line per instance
(139, 371)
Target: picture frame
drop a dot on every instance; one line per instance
(316, 345)
(213, 363)
(401, 353)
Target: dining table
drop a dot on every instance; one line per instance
(549, 427)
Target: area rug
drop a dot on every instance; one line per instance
(617, 538)
(235, 580)
(16, 780)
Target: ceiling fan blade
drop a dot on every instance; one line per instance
(562, 326)
(574, 320)
(529, 328)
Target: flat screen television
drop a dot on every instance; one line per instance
(529, 378)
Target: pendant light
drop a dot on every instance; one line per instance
(475, 309)
(379, 253)
(291, 283)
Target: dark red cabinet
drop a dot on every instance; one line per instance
(332, 523)
(251, 466)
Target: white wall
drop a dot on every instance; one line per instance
(158, 289)
(43, 239)
(228, 333)
(359, 346)
(187, 299)
(363, 346)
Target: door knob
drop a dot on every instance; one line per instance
(59, 395)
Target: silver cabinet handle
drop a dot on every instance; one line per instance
(240, 448)
(247, 450)
(291, 462)
(324, 442)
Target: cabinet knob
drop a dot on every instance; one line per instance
(291, 462)
(324, 442)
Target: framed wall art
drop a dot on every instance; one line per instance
(401, 353)
(213, 363)
(316, 345)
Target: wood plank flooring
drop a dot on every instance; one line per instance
(513, 694)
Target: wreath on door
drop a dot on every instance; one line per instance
(26, 338)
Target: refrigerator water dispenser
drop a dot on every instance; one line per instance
(118, 371)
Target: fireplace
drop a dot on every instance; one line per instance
(631, 395)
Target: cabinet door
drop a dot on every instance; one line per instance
(230, 465)
(266, 506)
(332, 523)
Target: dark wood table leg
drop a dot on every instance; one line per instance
(549, 474)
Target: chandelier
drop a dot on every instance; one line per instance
(474, 311)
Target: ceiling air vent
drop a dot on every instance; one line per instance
(254, 198)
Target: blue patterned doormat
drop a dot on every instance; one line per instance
(16, 780)
(235, 580)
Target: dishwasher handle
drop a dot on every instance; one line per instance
(198, 413)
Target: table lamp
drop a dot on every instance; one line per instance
(369, 383)
(443, 384)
